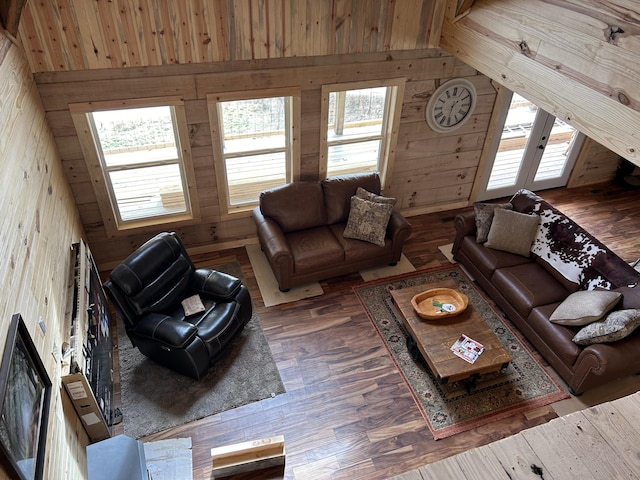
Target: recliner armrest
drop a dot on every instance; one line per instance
(165, 330)
(217, 284)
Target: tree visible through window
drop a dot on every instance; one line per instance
(143, 173)
(360, 130)
(254, 137)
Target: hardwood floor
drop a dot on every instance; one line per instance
(347, 413)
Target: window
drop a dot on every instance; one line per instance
(253, 135)
(140, 168)
(361, 127)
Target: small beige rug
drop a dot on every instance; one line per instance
(403, 266)
(268, 284)
(446, 251)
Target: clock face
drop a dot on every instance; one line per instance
(450, 105)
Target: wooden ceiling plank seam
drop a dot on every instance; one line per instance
(166, 36)
(283, 35)
(562, 97)
(218, 14)
(92, 37)
(259, 28)
(606, 68)
(201, 35)
(147, 32)
(32, 41)
(129, 26)
(114, 37)
(185, 35)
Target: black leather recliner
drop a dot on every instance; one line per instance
(147, 289)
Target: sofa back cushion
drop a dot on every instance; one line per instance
(295, 206)
(570, 250)
(338, 191)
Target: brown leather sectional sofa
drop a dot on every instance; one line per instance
(529, 289)
(300, 227)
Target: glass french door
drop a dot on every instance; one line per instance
(535, 151)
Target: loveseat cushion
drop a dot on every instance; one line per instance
(528, 286)
(314, 249)
(338, 191)
(295, 206)
(356, 250)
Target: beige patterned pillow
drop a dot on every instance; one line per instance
(616, 326)
(372, 197)
(484, 217)
(368, 220)
(512, 232)
(584, 306)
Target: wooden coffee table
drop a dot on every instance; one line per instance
(434, 338)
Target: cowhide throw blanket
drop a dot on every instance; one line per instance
(571, 250)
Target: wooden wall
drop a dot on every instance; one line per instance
(577, 59)
(431, 171)
(64, 35)
(39, 224)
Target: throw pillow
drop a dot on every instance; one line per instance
(372, 197)
(512, 232)
(484, 218)
(616, 326)
(584, 306)
(368, 220)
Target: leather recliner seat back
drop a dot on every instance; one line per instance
(161, 278)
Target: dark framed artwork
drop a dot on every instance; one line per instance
(25, 394)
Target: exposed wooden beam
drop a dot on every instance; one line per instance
(10, 11)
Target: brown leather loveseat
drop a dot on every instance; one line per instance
(301, 229)
(529, 288)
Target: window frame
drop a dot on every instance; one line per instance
(292, 148)
(98, 172)
(390, 123)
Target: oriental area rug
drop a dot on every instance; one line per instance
(450, 409)
(155, 398)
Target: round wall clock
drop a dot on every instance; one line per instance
(450, 105)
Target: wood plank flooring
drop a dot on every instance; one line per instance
(346, 413)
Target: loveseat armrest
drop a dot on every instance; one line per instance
(165, 330)
(398, 228)
(273, 241)
(213, 283)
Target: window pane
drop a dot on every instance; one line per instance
(136, 135)
(251, 125)
(554, 157)
(248, 176)
(148, 191)
(353, 157)
(361, 115)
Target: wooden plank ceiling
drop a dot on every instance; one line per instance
(577, 59)
(62, 35)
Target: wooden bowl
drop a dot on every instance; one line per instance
(439, 303)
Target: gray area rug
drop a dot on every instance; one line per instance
(155, 398)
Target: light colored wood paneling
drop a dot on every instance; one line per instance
(577, 60)
(40, 222)
(78, 35)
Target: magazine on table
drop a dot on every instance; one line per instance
(467, 348)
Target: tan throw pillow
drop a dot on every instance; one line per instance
(584, 306)
(484, 217)
(368, 221)
(372, 197)
(616, 326)
(512, 231)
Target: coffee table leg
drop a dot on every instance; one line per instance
(412, 348)
(470, 383)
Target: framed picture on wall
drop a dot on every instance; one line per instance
(25, 393)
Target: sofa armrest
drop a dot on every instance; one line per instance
(213, 283)
(273, 242)
(465, 225)
(398, 229)
(165, 330)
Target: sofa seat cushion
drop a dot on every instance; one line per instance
(557, 337)
(357, 250)
(487, 260)
(528, 286)
(314, 249)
